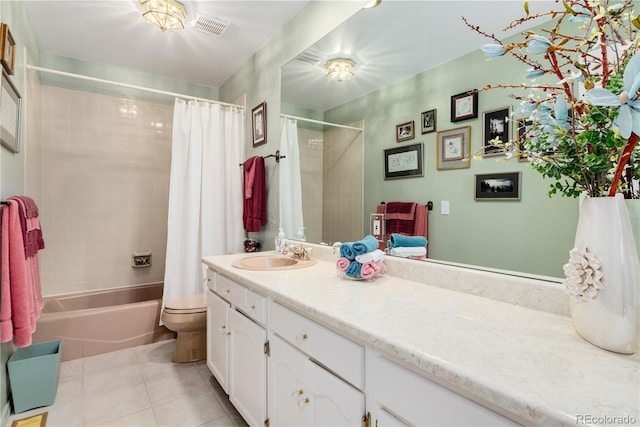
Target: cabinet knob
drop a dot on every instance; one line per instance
(304, 337)
(226, 291)
(251, 306)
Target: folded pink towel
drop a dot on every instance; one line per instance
(342, 264)
(369, 269)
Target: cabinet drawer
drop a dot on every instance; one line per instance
(404, 394)
(252, 304)
(339, 354)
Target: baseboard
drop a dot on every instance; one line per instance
(6, 412)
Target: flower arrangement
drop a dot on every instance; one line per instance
(582, 129)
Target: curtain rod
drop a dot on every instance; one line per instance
(126, 85)
(303, 119)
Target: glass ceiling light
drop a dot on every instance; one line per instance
(340, 69)
(168, 15)
(371, 4)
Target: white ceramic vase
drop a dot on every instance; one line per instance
(603, 276)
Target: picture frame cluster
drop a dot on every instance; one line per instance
(453, 146)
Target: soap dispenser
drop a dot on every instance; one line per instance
(281, 241)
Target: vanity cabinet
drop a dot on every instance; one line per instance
(236, 345)
(310, 371)
(397, 396)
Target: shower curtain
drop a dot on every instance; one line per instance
(205, 192)
(290, 180)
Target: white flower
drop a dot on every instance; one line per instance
(584, 278)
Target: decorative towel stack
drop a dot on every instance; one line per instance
(361, 259)
(414, 247)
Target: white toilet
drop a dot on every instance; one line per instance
(187, 317)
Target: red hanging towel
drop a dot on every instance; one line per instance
(254, 214)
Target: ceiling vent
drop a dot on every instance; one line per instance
(310, 57)
(215, 26)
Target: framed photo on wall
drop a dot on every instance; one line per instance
(405, 131)
(10, 104)
(428, 121)
(464, 106)
(403, 162)
(7, 49)
(453, 147)
(497, 127)
(498, 186)
(259, 124)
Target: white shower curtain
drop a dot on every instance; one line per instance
(205, 192)
(290, 179)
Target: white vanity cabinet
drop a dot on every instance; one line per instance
(302, 389)
(397, 396)
(236, 345)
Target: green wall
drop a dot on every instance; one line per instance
(532, 235)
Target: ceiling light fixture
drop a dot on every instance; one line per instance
(340, 69)
(168, 15)
(371, 4)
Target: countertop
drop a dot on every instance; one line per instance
(528, 362)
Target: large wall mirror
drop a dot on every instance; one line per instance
(411, 57)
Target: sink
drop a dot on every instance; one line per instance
(271, 263)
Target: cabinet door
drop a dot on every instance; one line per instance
(288, 403)
(247, 368)
(333, 401)
(217, 338)
(301, 393)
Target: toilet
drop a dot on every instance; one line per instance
(187, 317)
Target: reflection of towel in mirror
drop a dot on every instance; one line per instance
(399, 240)
(254, 214)
(400, 217)
(405, 252)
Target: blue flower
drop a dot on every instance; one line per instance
(582, 14)
(532, 73)
(539, 45)
(493, 50)
(628, 119)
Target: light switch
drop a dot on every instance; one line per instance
(444, 207)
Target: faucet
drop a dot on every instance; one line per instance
(298, 252)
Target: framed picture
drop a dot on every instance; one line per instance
(7, 49)
(497, 126)
(259, 121)
(498, 186)
(428, 121)
(403, 162)
(10, 103)
(453, 148)
(464, 106)
(405, 131)
(523, 126)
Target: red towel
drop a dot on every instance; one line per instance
(19, 307)
(30, 224)
(400, 217)
(254, 214)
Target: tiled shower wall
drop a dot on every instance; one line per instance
(104, 189)
(331, 163)
(343, 184)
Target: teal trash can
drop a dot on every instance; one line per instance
(33, 375)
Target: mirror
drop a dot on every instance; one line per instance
(412, 57)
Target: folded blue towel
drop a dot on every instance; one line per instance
(400, 240)
(350, 250)
(346, 251)
(368, 244)
(353, 270)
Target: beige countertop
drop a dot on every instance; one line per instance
(528, 362)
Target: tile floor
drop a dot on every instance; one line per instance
(138, 387)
